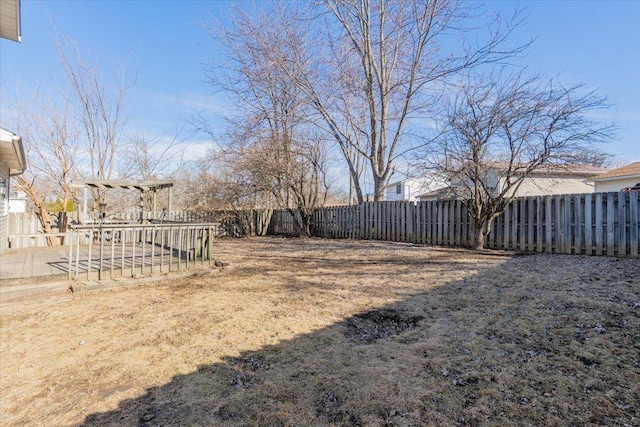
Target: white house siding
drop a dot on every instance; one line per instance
(543, 186)
(410, 188)
(616, 184)
(17, 205)
(391, 192)
(4, 208)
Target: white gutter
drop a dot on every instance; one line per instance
(19, 149)
(613, 178)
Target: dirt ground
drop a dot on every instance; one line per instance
(326, 332)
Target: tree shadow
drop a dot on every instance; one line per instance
(517, 344)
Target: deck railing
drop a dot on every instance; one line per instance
(132, 250)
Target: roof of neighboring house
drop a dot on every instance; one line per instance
(442, 191)
(630, 170)
(403, 180)
(420, 180)
(12, 151)
(635, 187)
(558, 169)
(10, 19)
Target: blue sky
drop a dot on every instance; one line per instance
(597, 43)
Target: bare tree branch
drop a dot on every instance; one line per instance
(500, 129)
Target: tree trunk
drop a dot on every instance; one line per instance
(42, 213)
(64, 220)
(45, 221)
(479, 236)
(378, 191)
(306, 223)
(479, 241)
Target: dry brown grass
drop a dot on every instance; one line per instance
(319, 332)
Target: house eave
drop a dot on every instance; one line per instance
(10, 20)
(12, 152)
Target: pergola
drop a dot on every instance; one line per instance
(141, 186)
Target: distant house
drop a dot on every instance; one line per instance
(12, 162)
(546, 180)
(18, 202)
(556, 179)
(10, 20)
(619, 179)
(442, 193)
(409, 189)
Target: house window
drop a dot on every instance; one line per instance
(399, 189)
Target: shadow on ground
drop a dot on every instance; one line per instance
(519, 344)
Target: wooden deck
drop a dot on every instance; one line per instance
(34, 263)
(52, 263)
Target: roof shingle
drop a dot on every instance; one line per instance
(631, 169)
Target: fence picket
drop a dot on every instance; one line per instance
(588, 224)
(445, 223)
(526, 226)
(557, 224)
(539, 229)
(567, 223)
(507, 227)
(513, 245)
(429, 223)
(548, 247)
(611, 218)
(634, 223)
(622, 221)
(464, 213)
(599, 226)
(578, 209)
(452, 223)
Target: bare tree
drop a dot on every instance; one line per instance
(517, 125)
(297, 183)
(98, 107)
(51, 140)
(372, 69)
(147, 158)
(71, 132)
(272, 146)
(213, 183)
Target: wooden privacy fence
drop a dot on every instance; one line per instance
(25, 230)
(592, 224)
(287, 223)
(136, 249)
